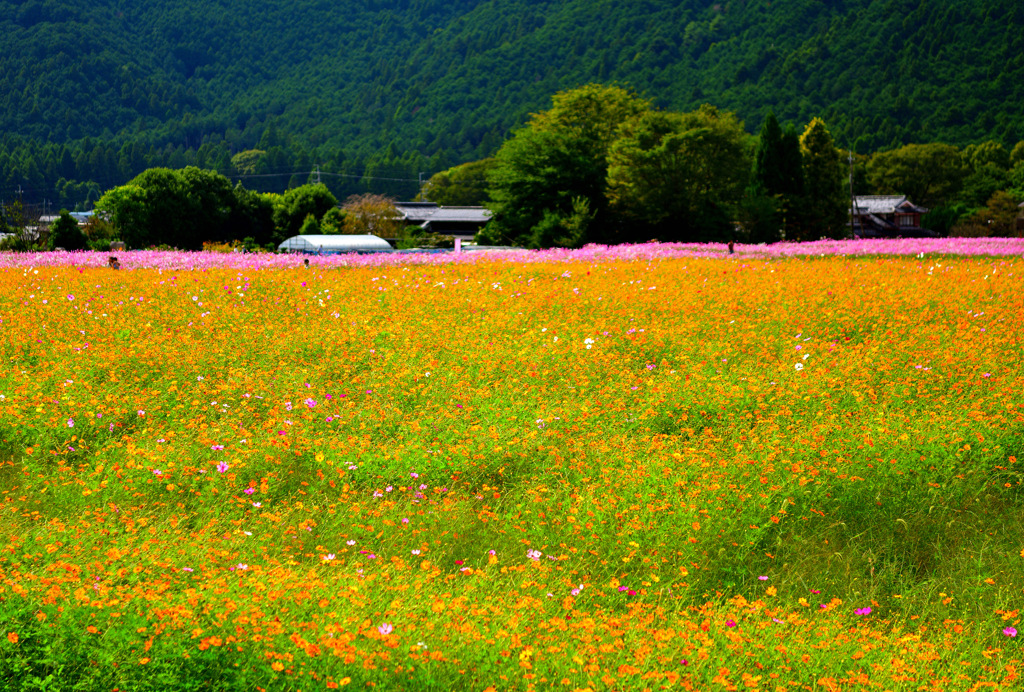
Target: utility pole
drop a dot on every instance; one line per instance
(853, 212)
(316, 175)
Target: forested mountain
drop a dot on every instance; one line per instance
(379, 91)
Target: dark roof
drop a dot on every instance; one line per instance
(427, 213)
(885, 204)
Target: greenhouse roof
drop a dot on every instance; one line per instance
(334, 244)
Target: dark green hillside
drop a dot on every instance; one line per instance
(394, 88)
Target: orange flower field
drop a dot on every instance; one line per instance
(678, 473)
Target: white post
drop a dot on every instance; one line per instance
(458, 245)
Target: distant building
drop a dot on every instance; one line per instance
(461, 222)
(79, 216)
(888, 216)
(334, 244)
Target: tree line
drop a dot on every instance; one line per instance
(604, 165)
(191, 207)
(91, 96)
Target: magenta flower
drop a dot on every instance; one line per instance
(1010, 631)
(385, 629)
(730, 623)
(863, 611)
(223, 466)
(249, 491)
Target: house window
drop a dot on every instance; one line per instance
(905, 220)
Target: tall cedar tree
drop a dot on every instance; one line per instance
(778, 175)
(826, 202)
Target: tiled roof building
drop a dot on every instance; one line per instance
(888, 216)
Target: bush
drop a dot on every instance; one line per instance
(65, 233)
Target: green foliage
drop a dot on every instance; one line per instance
(997, 218)
(252, 216)
(248, 162)
(778, 175)
(294, 207)
(182, 209)
(419, 237)
(66, 234)
(982, 183)
(777, 170)
(826, 202)
(760, 217)
(464, 185)
(943, 219)
(1017, 154)
(676, 177)
(333, 222)
(310, 226)
(561, 156)
(929, 174)
(90, 99)
(977, 156)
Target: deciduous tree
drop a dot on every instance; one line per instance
(373, 215)
(463, 185)
(66, 234)
(557, 159)
(929, 174)
(677, 176)
(292, 208)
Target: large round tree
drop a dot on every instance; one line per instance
(548, 181)
(677, 176)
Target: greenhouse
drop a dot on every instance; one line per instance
(334, 244)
